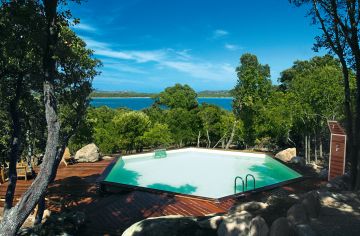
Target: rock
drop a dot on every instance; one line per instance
(78, 218)
(328, 201)
(323, 174)
(312, 165)
(107, 158)
(46, 215)
(297, 214)
(212, 223)
(258, 227)
(286, 155)
(252, 207)
(89, 153)
(25, 232)
(304, 230)
(312, 204)
(167, 225)
(298, 160)
(235, 225)
(337, 183)
(67, 223)
(280, 227)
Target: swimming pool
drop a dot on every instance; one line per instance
(199, 172)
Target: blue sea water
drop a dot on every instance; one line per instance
(142, 103)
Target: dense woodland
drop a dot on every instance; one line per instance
(46, 75)
(265, 116)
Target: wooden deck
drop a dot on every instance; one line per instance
(75, 189)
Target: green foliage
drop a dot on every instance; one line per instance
(182, 124)
(157, 136)
(252, 90)
(310, 92)
(178, 96)
(318, 84)
(130, 127)
(22, 33)
(210, 117)
(276, 119)
(156, 114)
(5, 133)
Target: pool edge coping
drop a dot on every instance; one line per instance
(102, 182)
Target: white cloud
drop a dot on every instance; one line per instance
(121, 67)
(179, 60)
(201, 70)
(85, 27)
(219, 33)
(138, 56)
(93, 44)
(231, 47)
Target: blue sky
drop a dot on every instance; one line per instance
(147, 45)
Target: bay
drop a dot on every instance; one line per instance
(139, 103)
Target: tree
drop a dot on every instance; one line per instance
(156, 114)
(60, 71)
(340, 35)
(250, 93)
(178, 96)
(210, 116)
(19, 64)
(157, 136)
(315, 86)
(230, 129)
(15, 216)
(130, 127)
(183, 125)
(277, 119)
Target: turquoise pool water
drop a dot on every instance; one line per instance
(199, 172)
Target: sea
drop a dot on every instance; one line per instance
(139, 103)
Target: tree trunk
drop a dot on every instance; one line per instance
(321, 148)
(349, 124)
(220, 140)
(16, 216)
(306, 149)
(198, 139)
(309, 148)
(30, 152)
(315, 149)
(231, 136)
(15, 146)
(41, 203)
(208, 138)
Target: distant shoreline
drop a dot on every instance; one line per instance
(132, 94)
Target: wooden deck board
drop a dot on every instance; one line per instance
(75, 188)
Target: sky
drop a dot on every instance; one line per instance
(148, 45)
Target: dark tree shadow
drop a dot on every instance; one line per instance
(119, 174)
(108, 214)
(184, 189)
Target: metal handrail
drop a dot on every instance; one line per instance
(246, 180)
(243, 185)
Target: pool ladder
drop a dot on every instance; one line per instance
(244, 183)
